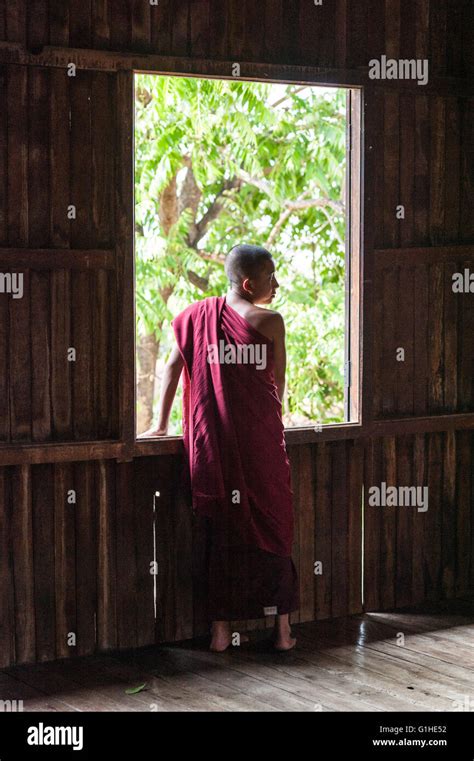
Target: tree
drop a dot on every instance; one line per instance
(221, 162)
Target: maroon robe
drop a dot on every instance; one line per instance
(238, 466)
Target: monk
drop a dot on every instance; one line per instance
(231, 352)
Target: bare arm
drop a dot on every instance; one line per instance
(171, 376)
(279, 349)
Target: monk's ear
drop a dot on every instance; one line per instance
(247, 284)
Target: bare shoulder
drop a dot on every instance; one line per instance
(269, 322)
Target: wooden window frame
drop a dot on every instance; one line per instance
(353, 259)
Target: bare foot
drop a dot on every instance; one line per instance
(284, 642)
(222, 637)
(282, 639)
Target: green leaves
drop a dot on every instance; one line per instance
(283, 143)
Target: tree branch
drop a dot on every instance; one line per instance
(212, 213)
(299, 205)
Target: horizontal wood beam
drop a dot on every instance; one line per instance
(15, 454)
(385, 257)
(36, 454)
(107, 60)
(436, 423)
(57, 258)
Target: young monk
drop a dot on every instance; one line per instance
(232, 352)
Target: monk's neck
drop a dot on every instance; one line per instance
(234, 297)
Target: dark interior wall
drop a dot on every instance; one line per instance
(84, 567)
(337, 33)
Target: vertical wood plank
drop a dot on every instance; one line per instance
(372, 207)
(61, 368)
(101, 12)
(199, 22)
(453, 170)
(405, 522)
(354, 570)
(16, 21)
(120, 25)
(465, 305)
(390, 340)
(81, 237)
(126, 580)
(357, 14)
(421, 323)
(4, 304)
(420, 481)
(65, 559)
(59, 158)
(450, 320)
(379, 345)
(437, 170)
(40, 288)
(80, 23)
(391, 169)
(407, 168)
(102, 367)
(340, 528)
(140, 26)
(290, 48)
(448, 518)
(273, 29)
(102, 159)
(463, 518)
(422, 28)
(294, 458)
(20, 369)
(42, 489)
(37, 24)
(161, 27)
(438, 28)
(58, 23)
(184, 568)
(372, 526)
(23, 570)
(432, 537)
(467, 170)
(165, 553)
(388, 527)
(7, 629)
(406, 330)
(106, 560)
(317, 25)
(435, 337)
(86, 556)
(422, 186)
(340, 31)
(125, 252)
(306, 533)
(82, 297)
(323, 530)
(180, 28)
(392, 28)
(144, 486)
(3, 157)
(38, 205)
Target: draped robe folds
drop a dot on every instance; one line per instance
(238, 468)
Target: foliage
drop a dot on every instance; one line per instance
(267, 166)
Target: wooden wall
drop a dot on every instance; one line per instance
(84, 568)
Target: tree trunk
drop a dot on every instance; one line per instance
(147, 350)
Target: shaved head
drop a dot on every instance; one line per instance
(245, 261)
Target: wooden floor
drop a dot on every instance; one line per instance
(351, 664)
